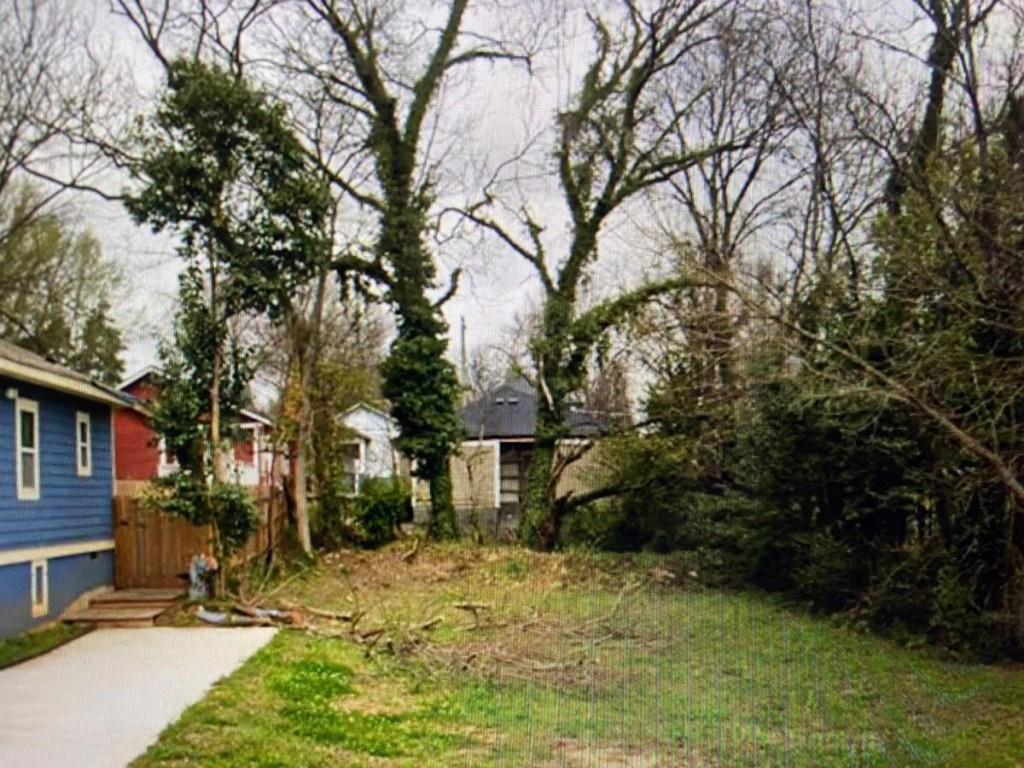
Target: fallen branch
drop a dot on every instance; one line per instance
(370, 634)
(428, 625)
(269, 614)
(332, 615)
(472, 606)
(408, 556)
(475, 608)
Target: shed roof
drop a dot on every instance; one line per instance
(510, 411)
(19, 363)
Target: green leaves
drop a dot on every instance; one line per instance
(228, 507)
(56, 289)
(222, 166)
(422, 386)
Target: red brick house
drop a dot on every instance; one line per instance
(139, 453)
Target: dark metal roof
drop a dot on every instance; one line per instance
(510, 411)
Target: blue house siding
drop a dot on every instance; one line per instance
(68, 578)
(70, 508)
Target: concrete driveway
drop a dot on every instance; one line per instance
(99, 701)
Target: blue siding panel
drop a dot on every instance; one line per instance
(70, 508)
(68, 577)
(72, 576)
(15, 599)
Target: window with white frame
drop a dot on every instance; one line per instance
(40, 589)
(26, 443)
(83, 444)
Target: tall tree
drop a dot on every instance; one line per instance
(51, 87)
(197, 353)
(623, 134)
(394, 109)
(56, 288)
(221, 166)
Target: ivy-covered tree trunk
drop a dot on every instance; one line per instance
(612, 147)
(539, 524)
(443, 523)
(419, 380)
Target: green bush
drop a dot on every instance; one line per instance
(847, 505)
(228, 507)
(595, 526)
(332, 515)
(382, 504)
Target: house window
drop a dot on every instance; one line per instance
(40, 589)
(83, 444)
(26, 441)
(351, 454)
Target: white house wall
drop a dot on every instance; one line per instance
(379, 458)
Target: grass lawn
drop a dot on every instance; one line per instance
(583, 661)
(23, 647)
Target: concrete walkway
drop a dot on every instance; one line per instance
(101, 700)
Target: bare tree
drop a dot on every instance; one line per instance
(51, 89)
(717, 212)
(623, 134)
(385, 67)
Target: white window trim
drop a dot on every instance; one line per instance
(21, 404)
(40, 607)
(81, 417)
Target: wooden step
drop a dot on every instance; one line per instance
(162, 604)
(138, 598)
(115, 617)
(129, 596)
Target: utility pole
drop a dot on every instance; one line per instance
(463, 358)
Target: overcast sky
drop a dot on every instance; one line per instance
(490, 116)
(495, 286)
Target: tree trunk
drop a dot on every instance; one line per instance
(304, 441)
(216, 452)
(443, 523)
(300, 486)
(216, 364)
(944, 48)
(723, 340)
(219, 582)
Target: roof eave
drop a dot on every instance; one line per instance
(59, 383)
(257, 417)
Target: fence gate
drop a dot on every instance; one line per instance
(153, 550)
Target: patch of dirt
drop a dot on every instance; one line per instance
(573, 753)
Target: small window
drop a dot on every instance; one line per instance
(40, 589)
(510, 485)
(83, 444)
(26, 440)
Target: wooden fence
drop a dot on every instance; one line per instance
(153, 550)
